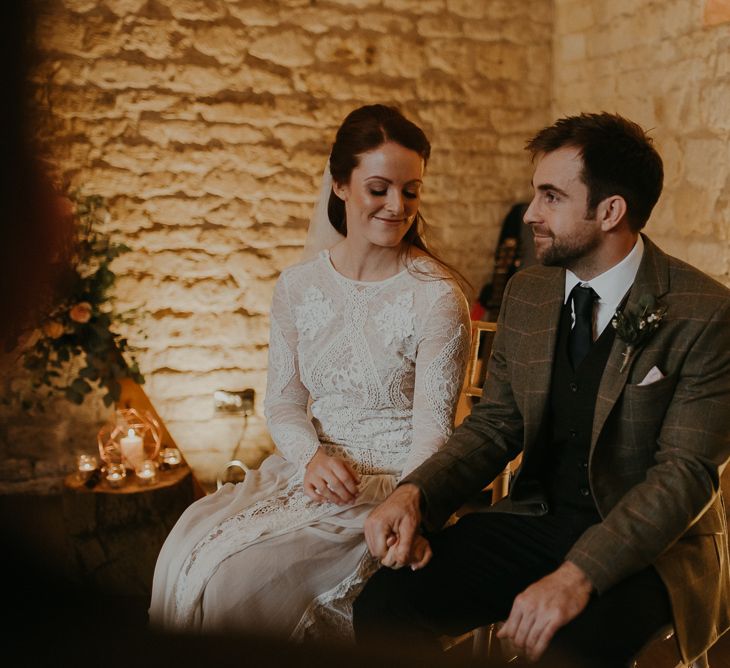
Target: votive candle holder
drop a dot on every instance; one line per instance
(147, 473)
(85, 466)
(171, 457)
(116, 475)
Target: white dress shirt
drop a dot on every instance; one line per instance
(611, 286)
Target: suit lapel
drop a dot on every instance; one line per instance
(540, 352)
(652, 278)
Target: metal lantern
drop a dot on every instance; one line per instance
(133, 437)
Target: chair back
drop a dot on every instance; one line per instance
(482, 337)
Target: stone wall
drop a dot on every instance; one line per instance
(665, 65)
(206, 125)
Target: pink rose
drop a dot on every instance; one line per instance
(52, 329)
(81, 312)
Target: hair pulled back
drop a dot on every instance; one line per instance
(363, 130)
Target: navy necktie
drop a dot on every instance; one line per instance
(581, 336)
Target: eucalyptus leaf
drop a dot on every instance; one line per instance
(89, 372)
(81, 386)
(115, 389)
(73, 396)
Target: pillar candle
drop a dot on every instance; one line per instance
(132, 450)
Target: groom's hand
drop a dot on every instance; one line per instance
(544, 607)
(420, 554)
(391, 530)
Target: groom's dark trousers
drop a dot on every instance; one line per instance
(480, 564)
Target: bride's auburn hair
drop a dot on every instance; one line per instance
(363, 130)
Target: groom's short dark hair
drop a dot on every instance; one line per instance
(618, 159)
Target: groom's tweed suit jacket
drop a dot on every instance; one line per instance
(657, 451)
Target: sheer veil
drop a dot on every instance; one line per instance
(321, 234)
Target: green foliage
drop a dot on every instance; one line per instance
(77, 347)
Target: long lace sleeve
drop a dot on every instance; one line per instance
(440, 367)
(285, 405)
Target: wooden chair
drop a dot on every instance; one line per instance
(484, 637)
(661, 651)
(482, 337)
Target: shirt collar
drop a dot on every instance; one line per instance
(613, 284)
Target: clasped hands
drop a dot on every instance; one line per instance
(391, 532)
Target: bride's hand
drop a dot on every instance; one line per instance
(330, 479)
(420, 553)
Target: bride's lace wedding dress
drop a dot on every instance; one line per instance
(369, 370)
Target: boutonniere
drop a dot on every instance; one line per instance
(635, 328)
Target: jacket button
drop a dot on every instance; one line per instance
(573, 387)
(584, 491)
(573, 433)
(583, 466)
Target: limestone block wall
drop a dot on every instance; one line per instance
(665, 65)
(206, 125)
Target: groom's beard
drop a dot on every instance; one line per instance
(568, 251)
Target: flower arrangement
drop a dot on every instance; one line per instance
(635, 328)
(76, 345)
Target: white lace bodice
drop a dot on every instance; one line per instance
(379, 365)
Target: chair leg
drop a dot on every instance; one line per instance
(700, 662)
(487, 646)
(481, 642)
(485, 643)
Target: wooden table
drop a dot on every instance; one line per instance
(115, 534)
(166, 477)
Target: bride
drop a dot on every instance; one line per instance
(369, 339)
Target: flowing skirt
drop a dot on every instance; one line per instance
(261, 556)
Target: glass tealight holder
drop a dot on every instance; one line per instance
(129, 438)
(116, 475)
(147, 473)
(171, 457)
(85, 466)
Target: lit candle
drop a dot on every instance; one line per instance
(132, 450)
(86, 465)
(171, 456)
(147, 472)
(115, 475)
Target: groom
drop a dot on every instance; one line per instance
(614, 525)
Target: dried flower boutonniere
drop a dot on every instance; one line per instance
(635, 328)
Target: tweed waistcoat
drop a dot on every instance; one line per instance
(568, 434)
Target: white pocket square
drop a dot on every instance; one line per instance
(652, 377)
